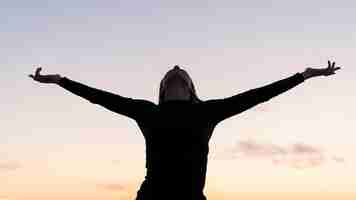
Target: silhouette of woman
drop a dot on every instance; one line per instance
(178, 129)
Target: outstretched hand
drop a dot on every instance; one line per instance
(51, 78)
(330, 70)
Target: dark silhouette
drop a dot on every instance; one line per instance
(178, 129)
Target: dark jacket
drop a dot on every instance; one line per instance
(177, 133)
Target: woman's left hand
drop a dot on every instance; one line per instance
(330, 70)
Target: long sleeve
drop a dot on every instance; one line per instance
(221, 109)
(134, 108)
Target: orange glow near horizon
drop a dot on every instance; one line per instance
(211, 196)
(55, 145)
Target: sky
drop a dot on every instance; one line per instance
(56, 145)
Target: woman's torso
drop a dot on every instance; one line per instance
(176, 136)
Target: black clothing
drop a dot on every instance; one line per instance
(177, 133)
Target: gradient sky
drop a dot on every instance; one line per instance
(55, 145)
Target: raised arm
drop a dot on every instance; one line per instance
(221, 109)
(134, 108)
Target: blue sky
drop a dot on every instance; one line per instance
(127, 46)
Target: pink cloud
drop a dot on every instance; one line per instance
(9, 166)
(298, 155)
(338, 159)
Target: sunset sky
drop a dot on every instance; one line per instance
(56, 145)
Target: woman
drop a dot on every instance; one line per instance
(178, 129)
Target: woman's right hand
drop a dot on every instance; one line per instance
(51, 78)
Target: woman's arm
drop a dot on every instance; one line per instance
(221, 109)
(133, 108)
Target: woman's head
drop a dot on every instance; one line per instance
(177, 85)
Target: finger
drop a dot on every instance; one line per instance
(328, 63)
(38, 71)
(336, 68)
(333, 65)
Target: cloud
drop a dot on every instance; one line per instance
(9, 166)
(298, 155)
(112, 186)
(116, 162)
(338, 159)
